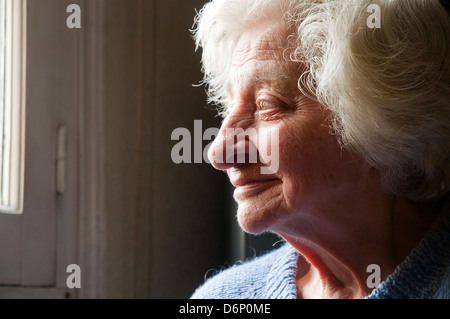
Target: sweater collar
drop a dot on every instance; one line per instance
(420, 274)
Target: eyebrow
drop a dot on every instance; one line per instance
(261, 79)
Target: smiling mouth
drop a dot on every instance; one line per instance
(252, 188)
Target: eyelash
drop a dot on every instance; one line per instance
(269, 105)
(263, 105)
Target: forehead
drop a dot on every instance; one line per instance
(261, 42)
(260, 59)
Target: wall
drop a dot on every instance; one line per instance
(165, 224)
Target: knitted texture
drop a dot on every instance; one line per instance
(425, 273)
(271, 276)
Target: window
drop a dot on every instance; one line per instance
(12, 104)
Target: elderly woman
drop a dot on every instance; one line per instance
(358, 95)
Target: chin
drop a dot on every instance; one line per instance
(254, 221)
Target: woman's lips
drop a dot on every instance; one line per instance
(253, 187)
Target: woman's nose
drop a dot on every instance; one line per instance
(233, 145)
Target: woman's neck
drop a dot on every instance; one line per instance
(335, 259)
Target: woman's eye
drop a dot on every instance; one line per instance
(264, 105)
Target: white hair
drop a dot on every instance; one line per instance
(388, 88)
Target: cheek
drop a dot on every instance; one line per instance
(308, 160)
(269, 146)
(299, 147)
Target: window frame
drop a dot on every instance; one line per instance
(12, 178)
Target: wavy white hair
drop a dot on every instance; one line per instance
(388, 88)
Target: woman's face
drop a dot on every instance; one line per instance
(312, 168)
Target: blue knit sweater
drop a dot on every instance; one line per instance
(424, 274)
